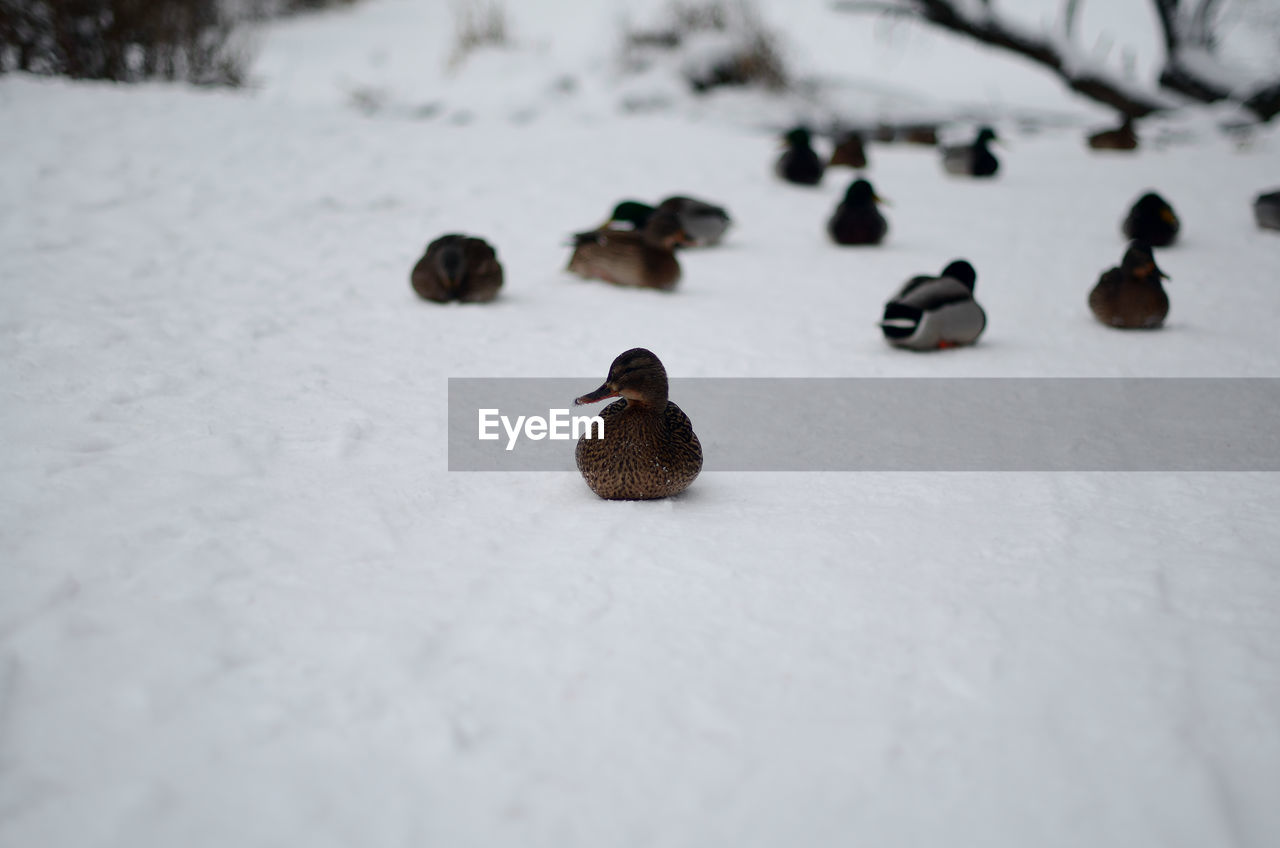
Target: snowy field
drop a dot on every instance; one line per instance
(243, 602)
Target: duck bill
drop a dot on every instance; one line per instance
(883, 201)
(598, 395)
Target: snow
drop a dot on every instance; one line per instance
(244, 603)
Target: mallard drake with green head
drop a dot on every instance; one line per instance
(1266, 210)
(457, 267)
(972, 160)
(857, 220)
(799, 163)
(1152, 220)
(703, 223)
(929, 313)
(1131, 297)
(1121, 138)
(643, 259)
(850, 151)
(648, 449)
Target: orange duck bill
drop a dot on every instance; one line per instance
(605, 391)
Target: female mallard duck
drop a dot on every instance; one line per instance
(703, 223)
(457, 267)
(925, 134)
(644, 259)
(857, 220)
(935, 312)
(1152, 220)
(648, 448)
(850, 151)
(1130, 297)
(1121, 138)
(972, 160)
(1266, 210)
(798, 163)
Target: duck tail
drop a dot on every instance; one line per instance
(900, 320)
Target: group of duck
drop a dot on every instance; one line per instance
(649, 449)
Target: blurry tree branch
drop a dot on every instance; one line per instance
(1188, 36)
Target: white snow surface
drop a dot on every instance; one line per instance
(244, 603)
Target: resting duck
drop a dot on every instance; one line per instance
(857, 220)
(648, 449)
(1130, 297)
(1121, 138)
(850, 151)
(703, 223)
(643, 259)
(929, 313)
(924, 134)
(972, 160)
(1266, 210)
(798, 163)
(1152, 220)
(457, 267)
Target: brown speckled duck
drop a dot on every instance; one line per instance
(1121, 138)
(1130, 297)
(648, 449)
(457, 267)
(850, 151)
(643, 259)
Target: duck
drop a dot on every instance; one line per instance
(799, 163)
(972, 160)
(703, 223)
(641, 258)
(930, 313)
(1121, 138)
(922, 134)
(857, 220)
(647, 448)
(1152, 220)
(1131, 297)
(850, 151)
(1266, 210)
(457, 267)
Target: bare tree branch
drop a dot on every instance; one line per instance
(1167, 12)
(1179, 31)
(886, 7)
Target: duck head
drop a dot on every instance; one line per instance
(861, 193)
(962, 272)
(631, 212)
(1153, 205)
(985, 135)
(665, 230)
(636, 375)
(1138, 262)
(798, 137)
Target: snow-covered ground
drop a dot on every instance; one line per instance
(243, 602)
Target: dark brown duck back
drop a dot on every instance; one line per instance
(644, 259)
(645, 453)
(1130, 297)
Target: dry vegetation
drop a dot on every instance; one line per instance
(752, 57)
(477, 23)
